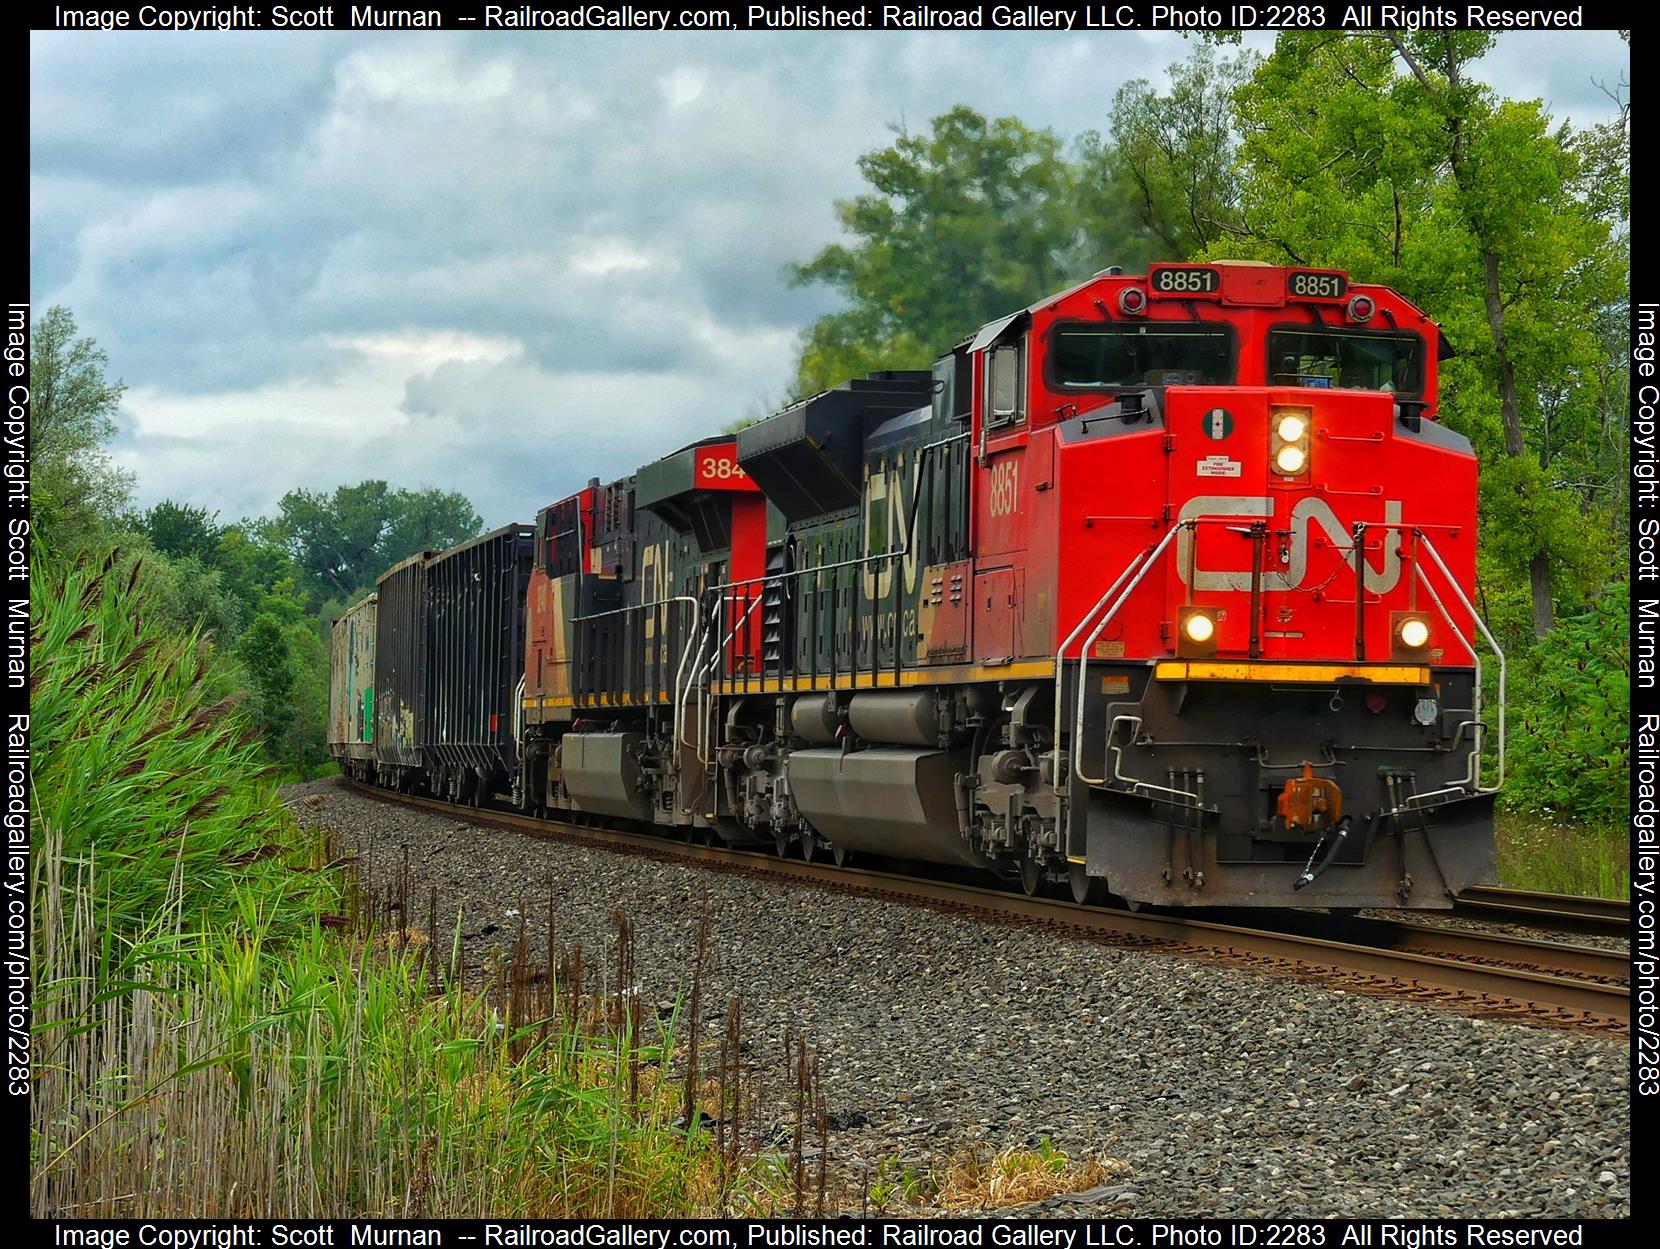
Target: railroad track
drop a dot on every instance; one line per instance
(1557, 912)
(1483, 973)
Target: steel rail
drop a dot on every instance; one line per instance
(1596, 1002)
(1400, 932)
(1559, 912)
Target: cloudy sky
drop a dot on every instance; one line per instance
(495, 263)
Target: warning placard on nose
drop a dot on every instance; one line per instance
(1218, 466)
(1217, 424)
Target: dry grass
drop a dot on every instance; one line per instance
(1018, 1177)
(242, 1080)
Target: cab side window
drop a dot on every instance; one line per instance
(1006, 385)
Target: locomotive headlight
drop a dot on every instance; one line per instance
(1288, 447)
(1410, 636)
(1413, 632)
(1196, 631)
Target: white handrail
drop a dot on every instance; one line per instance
(519, 717)
(1472, 773)
(1492, 642)
(680, 670)
(1118, 768)
(703, 672)
(1060, 657)
(1083, 658)
(1143, 563)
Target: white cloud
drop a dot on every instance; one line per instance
(428, 346)
(598, 257)
(500, 264)
(424, 74)
(683, 86)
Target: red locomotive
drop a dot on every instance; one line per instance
(1160, 586)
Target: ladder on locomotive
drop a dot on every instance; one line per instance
(777, 657)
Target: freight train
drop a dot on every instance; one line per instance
(1160, 587)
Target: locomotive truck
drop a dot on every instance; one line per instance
(1159, 587)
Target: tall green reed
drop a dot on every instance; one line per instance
(204, 1047)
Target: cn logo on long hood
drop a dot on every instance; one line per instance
(1306, 513)
(886, 496)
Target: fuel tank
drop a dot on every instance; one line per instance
(602, 773)
(887, 801)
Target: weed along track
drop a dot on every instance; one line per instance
(949, 1027)
(1513, 977)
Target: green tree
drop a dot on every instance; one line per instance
(335, 538)
(304, 748)
(266, 653)
(1572, 740)
(1381, 154)
(426, 520)
(72, 409)
(179, 529)
(194, 597)
(1176, 153)
(965, 222)
(257, 568)
(342, 541)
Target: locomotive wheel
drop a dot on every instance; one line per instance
(782, 842)
(1086, 889)
(1031, 877)
(841, 854)
(808, 849)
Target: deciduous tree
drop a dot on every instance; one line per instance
(180, 529)
(341, 541)
(967, 221)
(1177, 153)
(72, 408)
(1384, 155)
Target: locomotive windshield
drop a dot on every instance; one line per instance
(1346, 360)
(1086, 357)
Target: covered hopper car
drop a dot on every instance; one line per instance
(352, 689)
(1161, 585)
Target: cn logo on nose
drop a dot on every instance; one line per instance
(1308, 513)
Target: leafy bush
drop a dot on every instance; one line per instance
(1570, 750)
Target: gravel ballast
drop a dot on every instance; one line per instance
(1228, 1092)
